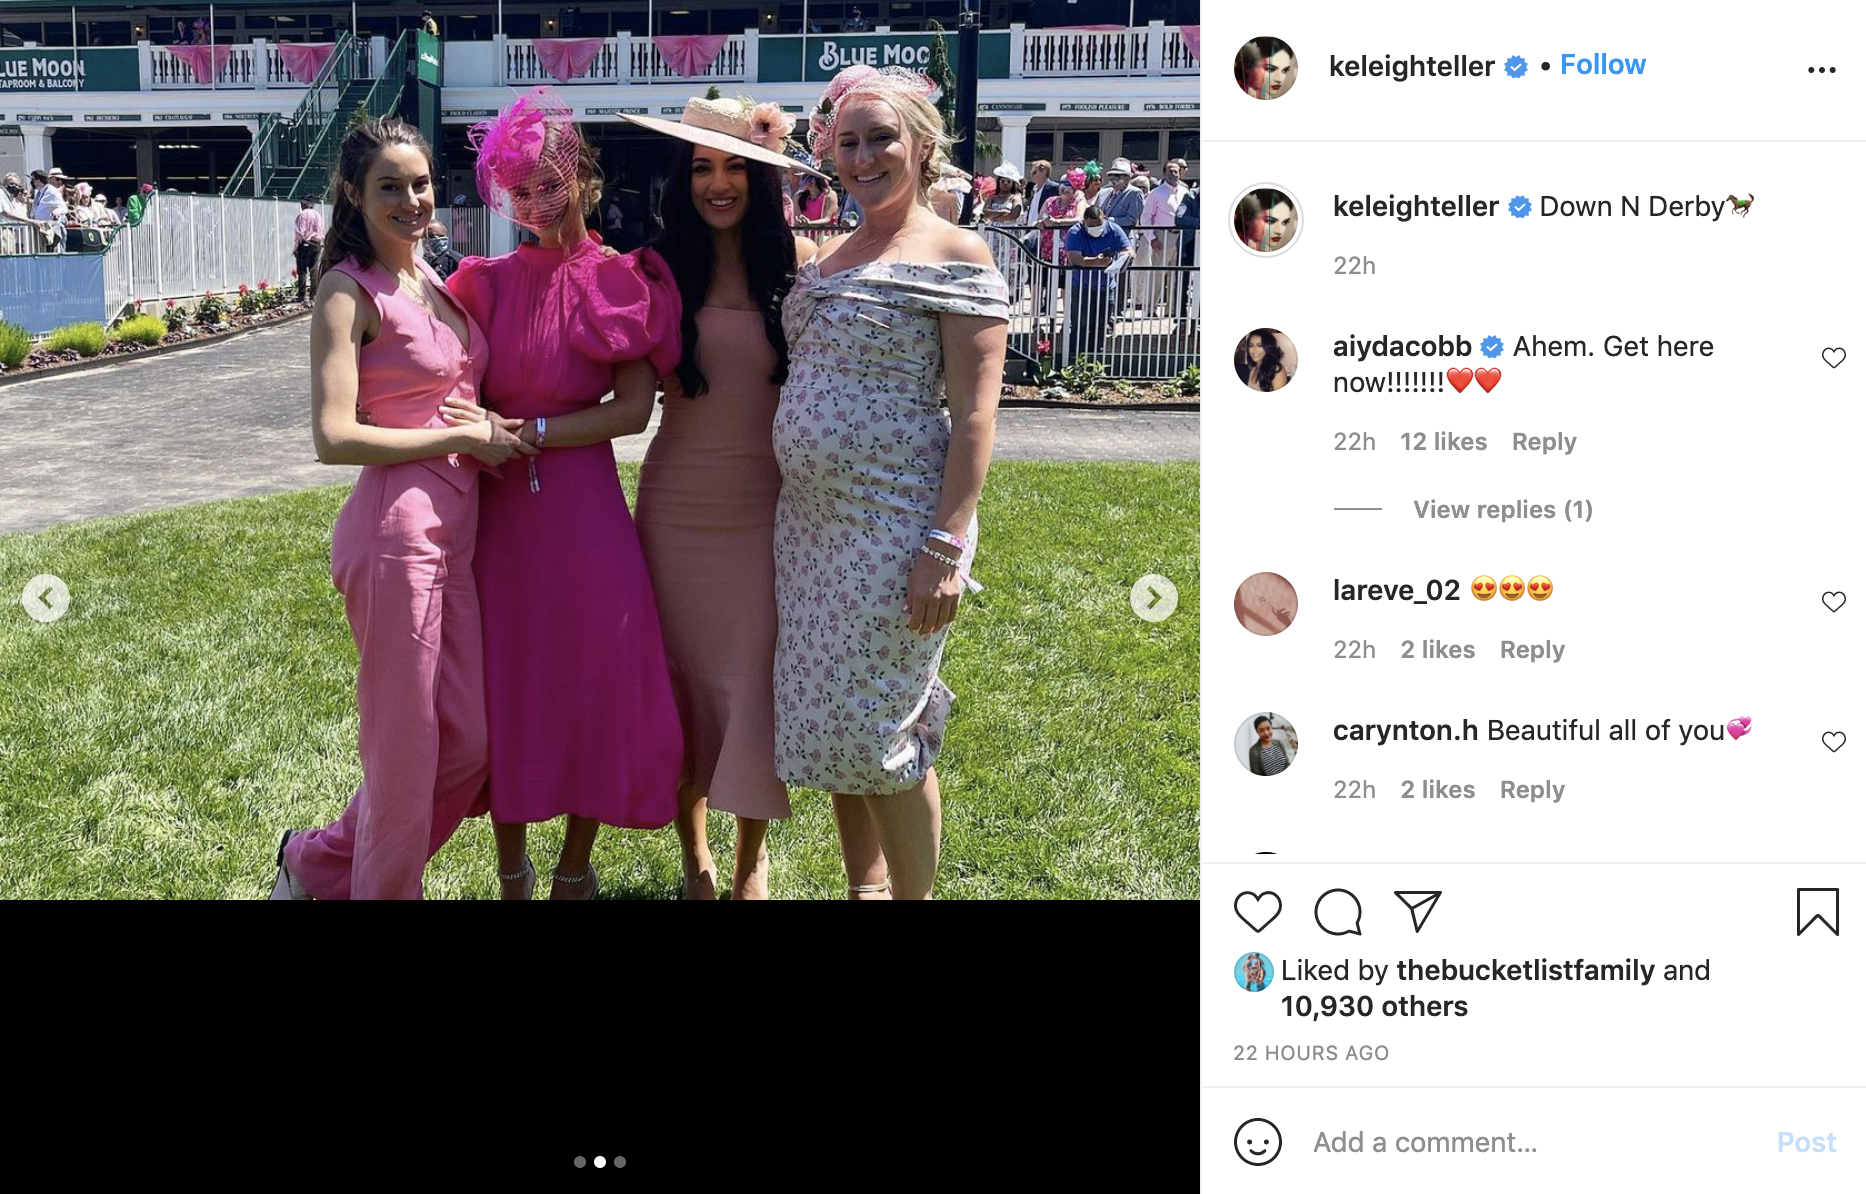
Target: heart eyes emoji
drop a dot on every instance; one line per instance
(1512, 588)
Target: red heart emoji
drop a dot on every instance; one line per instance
(1459, 378)
(1488, 378)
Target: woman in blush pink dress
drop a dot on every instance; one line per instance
(580, 711)
(709, 487)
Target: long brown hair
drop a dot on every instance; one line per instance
(349, 235)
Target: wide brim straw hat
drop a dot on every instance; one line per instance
(728, 125)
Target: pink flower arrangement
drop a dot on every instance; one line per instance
(1043, 348)
(242, 288)
(770, 126)
(263, 284)
(171, 302)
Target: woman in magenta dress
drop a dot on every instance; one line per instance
(580, 712)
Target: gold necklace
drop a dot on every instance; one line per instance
(419, 292)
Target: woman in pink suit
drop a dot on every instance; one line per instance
(580, 710)
(387, 347)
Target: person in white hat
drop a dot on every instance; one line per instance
(1121, 203)
(1006, 210)
(48, 206)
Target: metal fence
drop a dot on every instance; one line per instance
(186, 245)
(469, 229)
(190, 244)
(1141, 322)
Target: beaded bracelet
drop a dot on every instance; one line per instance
(531, 465)
(947, 560)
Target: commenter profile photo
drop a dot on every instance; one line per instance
(1266, 744)
(1265, 68)
(1265, 359)
(1267, 220)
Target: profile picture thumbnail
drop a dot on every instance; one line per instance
(1265, 603)
(1267, 220)
(1254, 971)
(1265, 359)
(1265, 68)
(1266, 744)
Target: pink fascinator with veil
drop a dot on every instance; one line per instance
(888, 83)
(527, 159)
(1077, 178)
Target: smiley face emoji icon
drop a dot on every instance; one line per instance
(1511, 588)
(1258, 1141)
(1483, 588)
(1540, 588)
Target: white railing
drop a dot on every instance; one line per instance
(243, 68)
(645, 64)
(522, 67)
(276, 73)
(622, 59)
(1053, 53)
(1175, 54)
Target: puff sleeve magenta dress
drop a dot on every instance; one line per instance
(580, 711)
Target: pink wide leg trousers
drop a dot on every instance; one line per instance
(402, 556)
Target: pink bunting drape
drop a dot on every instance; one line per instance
(1190, 35)
(304, 60)
(689, 54)
(204, 61)
(567, 57)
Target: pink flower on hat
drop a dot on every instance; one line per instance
(770, 125)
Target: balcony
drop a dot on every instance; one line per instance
(626, 59)
(1155, 50)
(257, 65)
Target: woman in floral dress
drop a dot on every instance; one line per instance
(876, 526)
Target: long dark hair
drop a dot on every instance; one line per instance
(1272, 358)
(349, 235)
(686, 243)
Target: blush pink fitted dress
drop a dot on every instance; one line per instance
(580, 710)
(402, 556)
(707, 510)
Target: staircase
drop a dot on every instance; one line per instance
(312, 176)
(295, 155)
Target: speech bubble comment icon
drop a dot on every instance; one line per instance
(1338, 912)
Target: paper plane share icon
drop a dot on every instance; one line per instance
(1420, 904)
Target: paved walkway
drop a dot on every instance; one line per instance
(231, 419)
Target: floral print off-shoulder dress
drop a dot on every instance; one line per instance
(861, 442)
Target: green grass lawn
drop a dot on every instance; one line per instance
(199, 697)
